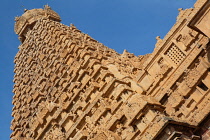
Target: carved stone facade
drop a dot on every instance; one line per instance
(69, 86)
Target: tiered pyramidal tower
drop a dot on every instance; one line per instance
(69, 86)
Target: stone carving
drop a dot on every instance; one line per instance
(159, 41)
(106, 135)
(175, 54)
(30, 16)
(164, 68)
(192, 77)
(55, 133)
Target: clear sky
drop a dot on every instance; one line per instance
(118, 24)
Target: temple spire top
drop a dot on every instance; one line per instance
(29, 17)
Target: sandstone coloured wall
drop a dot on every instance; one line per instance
(70, 86)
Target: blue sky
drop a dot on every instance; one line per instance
(118, 24)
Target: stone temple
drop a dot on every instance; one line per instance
(69, 86)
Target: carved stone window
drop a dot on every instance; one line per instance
(175, 54)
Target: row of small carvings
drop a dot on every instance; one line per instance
(67, 43)
(76, 66)
(79, 121)
(40, 79)
(50, 57)
(55, 63)
(48, 50)
(109, 117)
(55, 66)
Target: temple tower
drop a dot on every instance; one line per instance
(70, 86)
